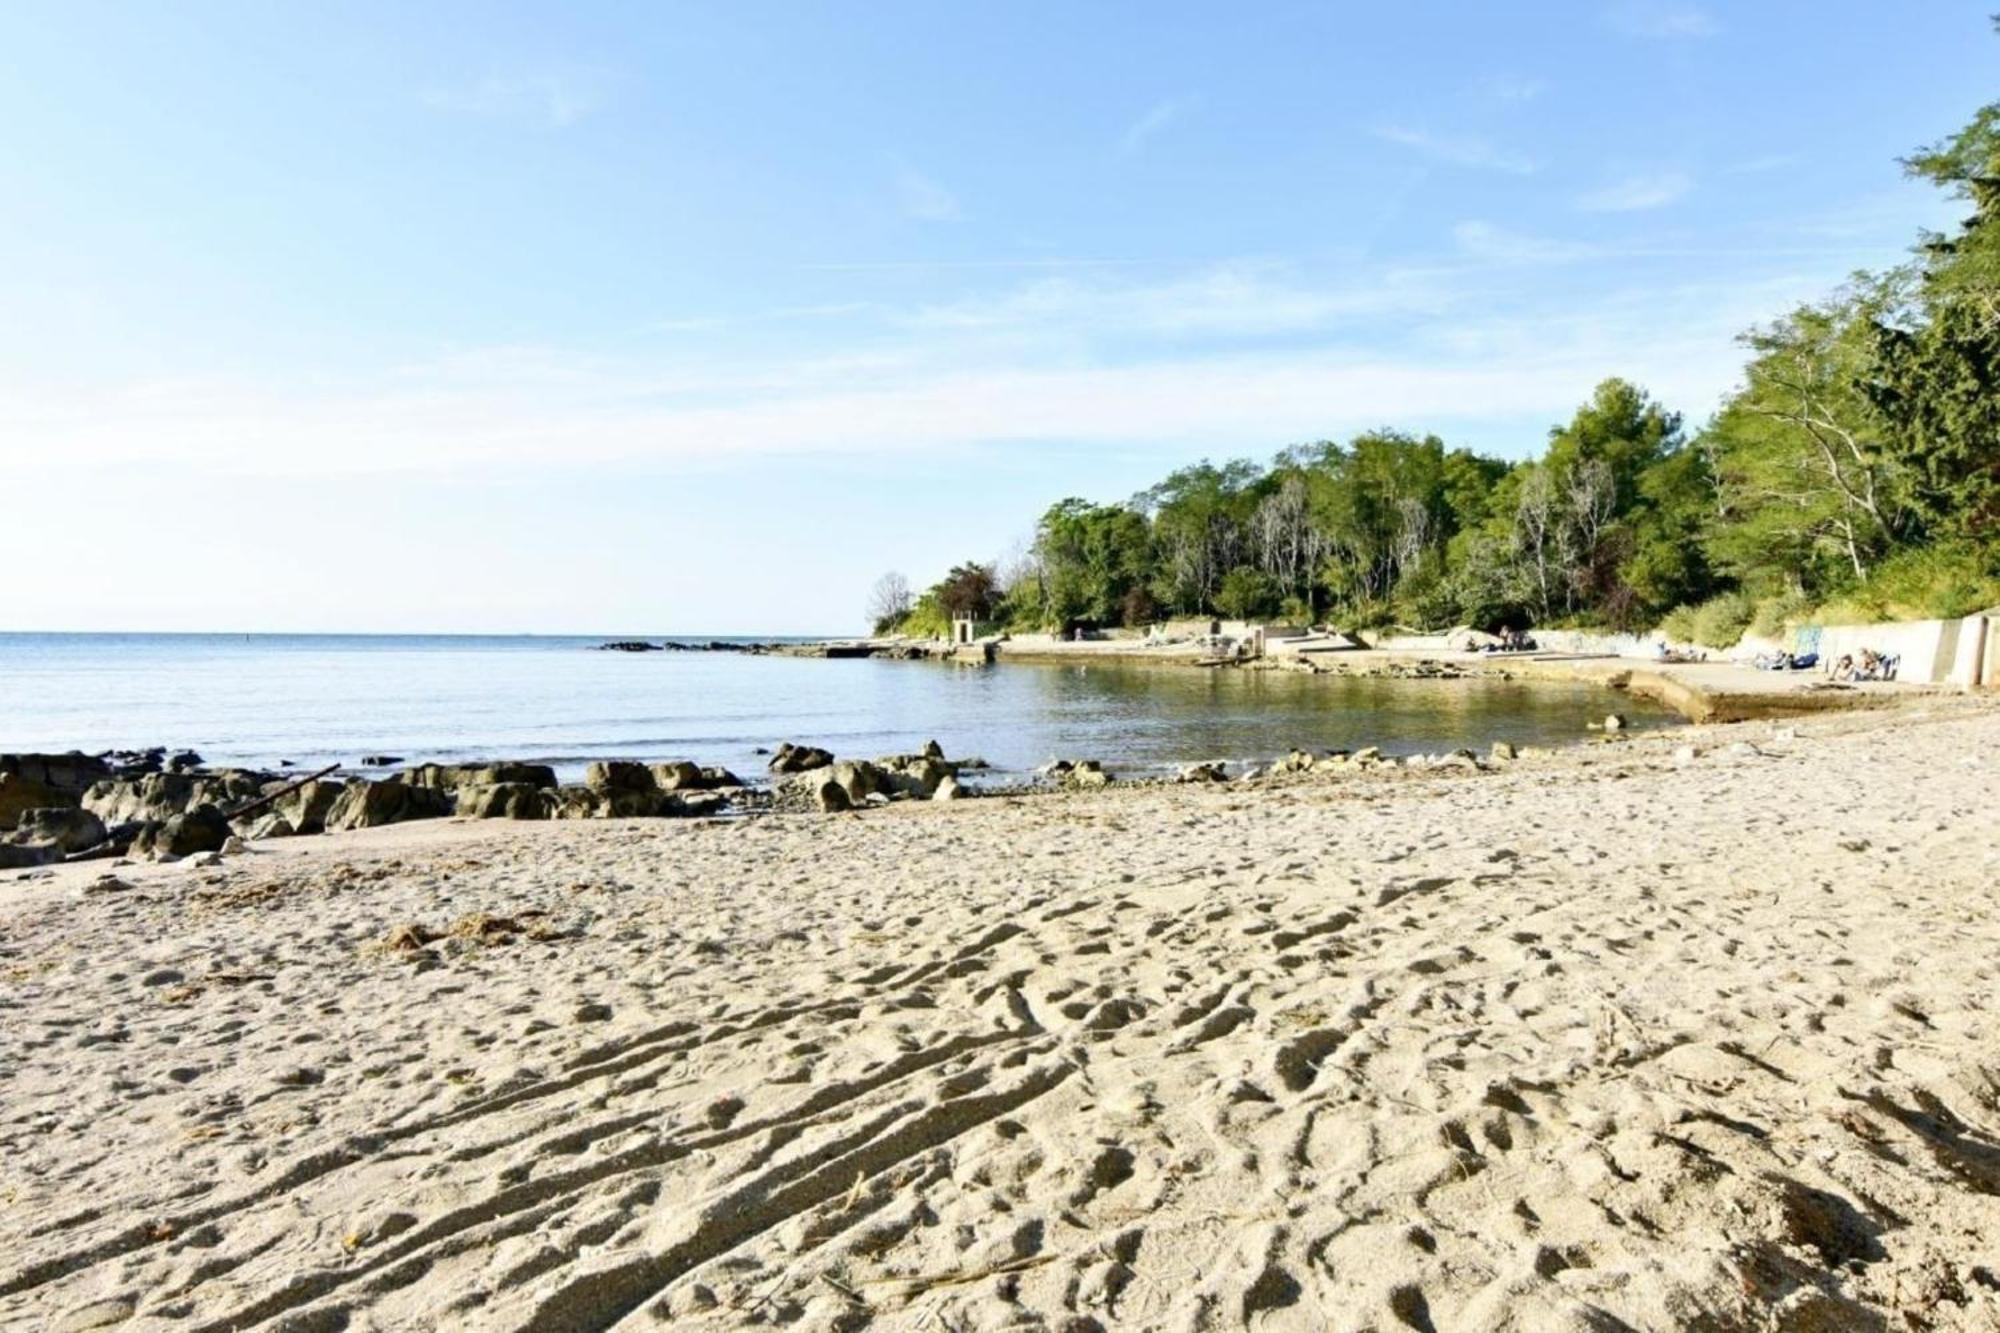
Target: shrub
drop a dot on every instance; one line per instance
(1775, 615)
(1720, 621)
(1925, 583)
(1677, 626)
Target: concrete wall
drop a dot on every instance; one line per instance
(1927, 647)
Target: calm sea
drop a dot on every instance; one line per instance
(319, 699)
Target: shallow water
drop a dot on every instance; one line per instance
(319, 699)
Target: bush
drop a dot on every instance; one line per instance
(1720, 621)
(1926, 583)
(1677, 626)
(1775, 615)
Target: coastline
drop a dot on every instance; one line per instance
(1693, 1026)
(1701, 692)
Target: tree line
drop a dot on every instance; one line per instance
(1854, 473)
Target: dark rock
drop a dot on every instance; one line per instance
(450, 777)
(628, 646)
(678, 775)
(73, 772)
(799, 758)
(364, 804)
(184, 761)
(619, 775)
(829, 796)
(20, 794)
(713, 777)
(202, 829)
(380, 760)
(306, 808)
(504, 800)
(67, 830)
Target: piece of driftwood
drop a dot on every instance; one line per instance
(279, 794)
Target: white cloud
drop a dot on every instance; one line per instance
(1457, 150)
(1499, 245)
(1661, 20)
(1227, 300)
(1157, 118)
(1445, 350)
(556, 97)
(922, 198)
(1637, 193)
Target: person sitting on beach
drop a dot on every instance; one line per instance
(1843, 669)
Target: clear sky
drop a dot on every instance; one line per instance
(695, 318)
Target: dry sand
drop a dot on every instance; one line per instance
(1614, 1039)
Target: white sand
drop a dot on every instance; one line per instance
(1610, 1040)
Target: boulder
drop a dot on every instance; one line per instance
(65, 829)
(949, 790)
(160, 796)
(1614, 722)
(304, 810)
(183, 761)
(450, 777)
(1503, 752)
(799, 758)
(202, 829)
(1086, 774)
(829, 796)
(365, 804)
(1209, 772)
(915, 775)
(619, 775)
(20, 794)
(696, 804)
(1298, 761)
(1367, 754)
(380, 760)
(712, 778)
(932, 750)
(678, 775)
(503, 800)
(605, 803)
(268, 824)
(73, 772)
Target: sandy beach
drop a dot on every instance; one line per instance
(1692, 1030)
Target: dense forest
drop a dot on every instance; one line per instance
(1854, 473)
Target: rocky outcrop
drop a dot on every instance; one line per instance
(364, 804)
(1199, 773)
(505, 800)
(303, 810)
(1078, 774)
(67, 830)
(451, 777)
(619, 775)
(73, 772)
(20, 794)
(799, 758)
(160, 796)
(202, 829)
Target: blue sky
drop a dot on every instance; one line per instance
(695, 318)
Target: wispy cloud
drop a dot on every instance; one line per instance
(1507, 87)
(1157, 118)
(555, 97)
(1457, 150)
(1500, 245)
(1637, 193)
(922, 198)
(1234, 300)
(1663, 20)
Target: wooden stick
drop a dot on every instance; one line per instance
(283, 791)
